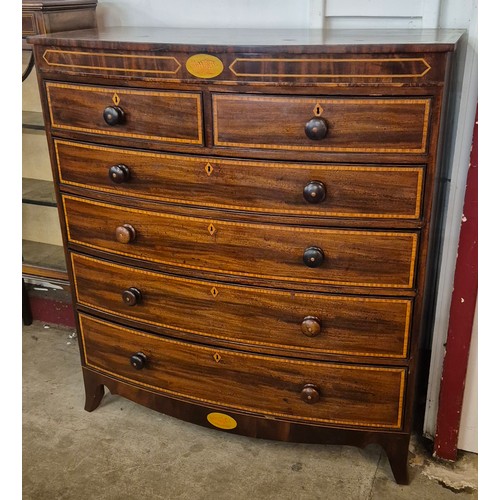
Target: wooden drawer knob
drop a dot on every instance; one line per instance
(314, 192)
(313, 257)
(311, 326)
(125, 233)
(114, 115)
(316, 128)
(310, 394)
(138, 360)
(131, 296)
(119, 173)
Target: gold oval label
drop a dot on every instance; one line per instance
(204, 66)
(222, 421)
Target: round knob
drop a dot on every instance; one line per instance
(311, 326)
(113, 115)
(313, 257)
(119, 173)
(314, 192)
(138, 360)
(310, 394)
(125, 233)
(131, 296)
(316, 128)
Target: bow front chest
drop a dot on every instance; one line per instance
(249, 221)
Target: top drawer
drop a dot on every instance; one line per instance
(173, 117)
(28, 24)
(341, 125)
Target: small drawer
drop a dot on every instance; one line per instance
(173, 117)
(342, 125)
(28, 24)
(278, 387)
(302, 322)
(361, 191)
(291, 253)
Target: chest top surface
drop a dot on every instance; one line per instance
(305, 40)
(249, 56)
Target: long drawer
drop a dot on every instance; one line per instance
(167, 116)
(274, 386)
(367, 191)
(303, 322)
(355, 125)
(295, 254)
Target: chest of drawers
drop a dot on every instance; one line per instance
(250, 222)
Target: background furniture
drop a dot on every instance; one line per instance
(43, 255)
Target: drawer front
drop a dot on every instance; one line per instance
(174, 117)
(273, 386)
(356, 125)
(357, 258)
(347, 191)
(303, 322)
(329, 70)
(28, 24)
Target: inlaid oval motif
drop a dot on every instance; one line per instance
(222, 421)
(204, 66)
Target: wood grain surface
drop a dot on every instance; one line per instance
(361, 258)
(149, 115)
(354, 125)
(250, 315)
(361, 191)
(249, 382)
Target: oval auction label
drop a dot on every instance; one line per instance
(204, 66)
(222, 421)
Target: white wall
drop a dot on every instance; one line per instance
(382, 14)
(469, 423)
(203, 13)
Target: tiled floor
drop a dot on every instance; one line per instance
(124, 451)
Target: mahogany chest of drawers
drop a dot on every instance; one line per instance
(249, 221)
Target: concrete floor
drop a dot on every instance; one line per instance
(124, 451)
